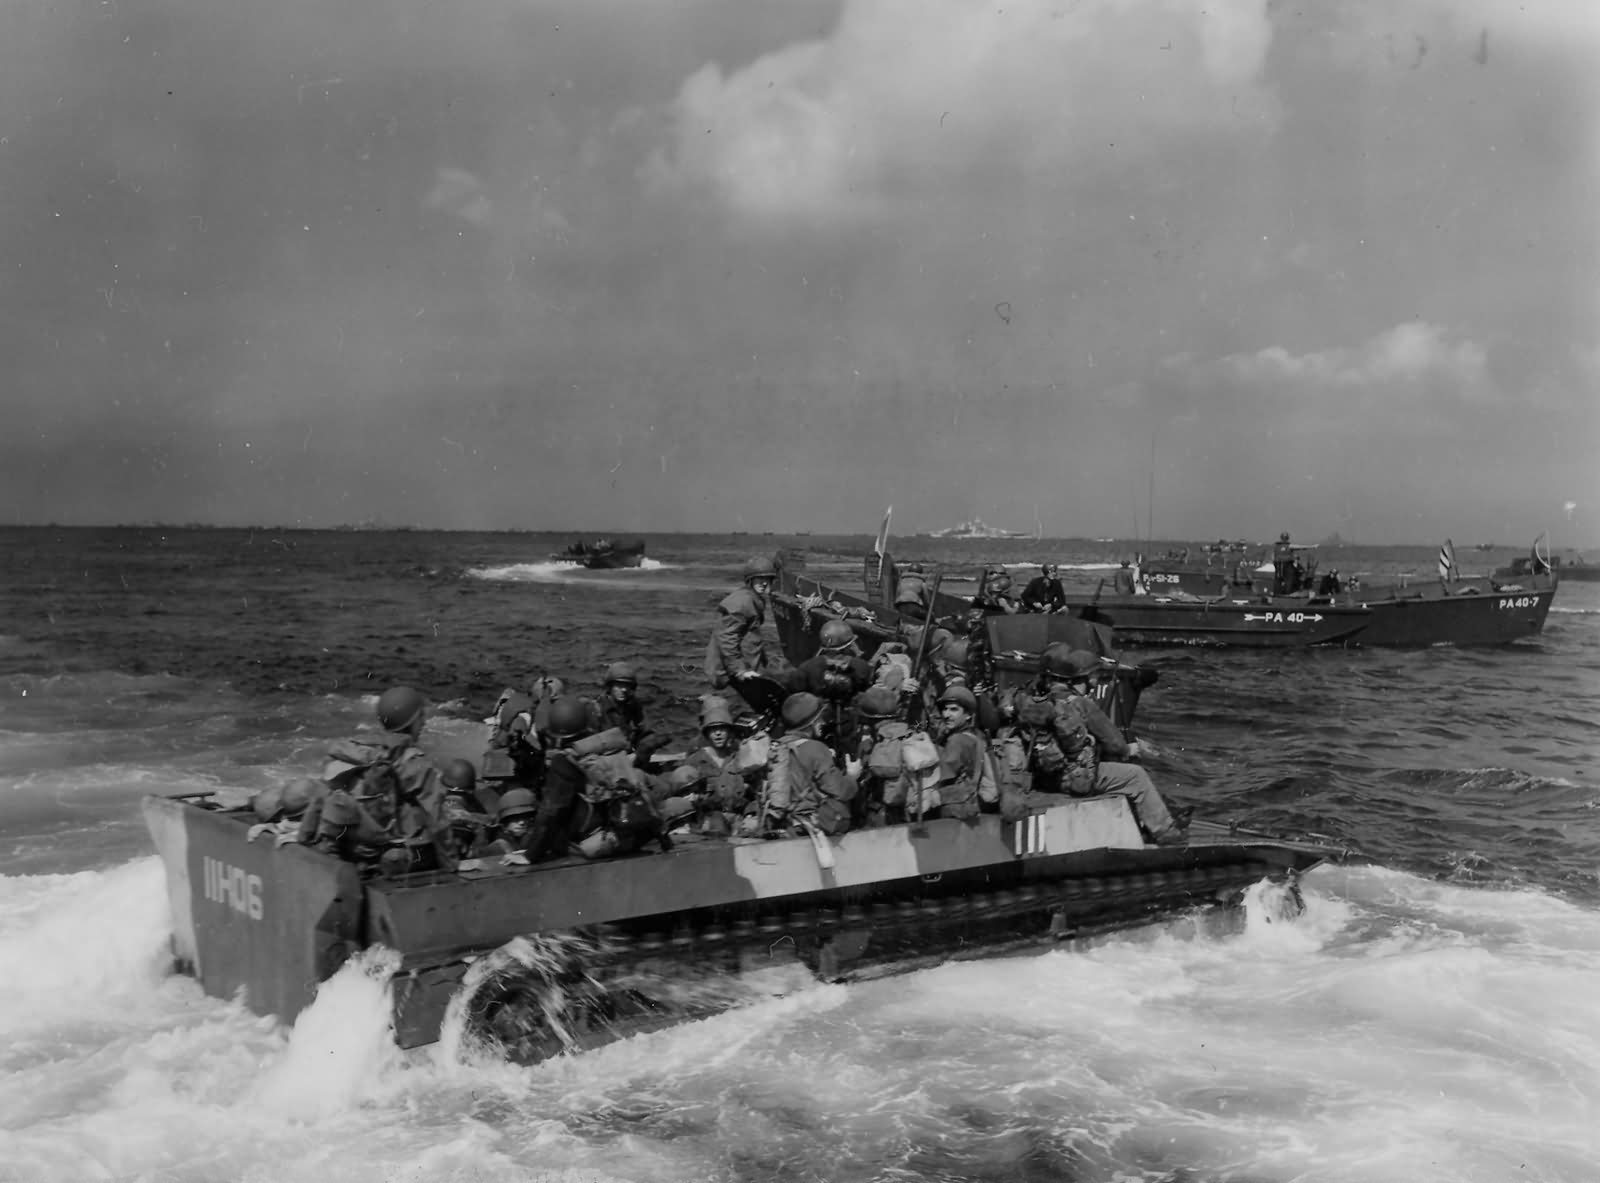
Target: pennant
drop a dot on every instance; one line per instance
(881, 546)
(1447, 561)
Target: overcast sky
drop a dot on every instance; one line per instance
(774, 264)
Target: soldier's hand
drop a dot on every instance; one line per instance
(1133, 749)
(910, 686)
(852, 767)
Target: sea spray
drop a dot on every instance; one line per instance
(83, 945)
(342, 1047)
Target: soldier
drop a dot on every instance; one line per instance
(963, 756)
(396, 792)
(1082, 734)
(619, 706)
(515, 815)
(722, 793)
(805, 789)
(1044, 592)
(836, 673)
(465, 821)
(1124, 579)
(595, 797)
(737, 649)
(994, 596)
(883, 787)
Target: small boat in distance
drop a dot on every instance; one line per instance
(603, 554)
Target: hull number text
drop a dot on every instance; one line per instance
(1518, 601)
(1285, 617)
(229, 885)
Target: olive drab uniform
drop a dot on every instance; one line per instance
(389, 787)
(804, 786)
(737, 643)
(515, 753)
(964, 778)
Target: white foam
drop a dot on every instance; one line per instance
(559, 571)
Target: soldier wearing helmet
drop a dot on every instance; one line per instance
(805, 788)
(721, 788)
(387, 782)
(1044, 592)
(1095, 756)
(619, 706)
(994, 596)
(466, 822)
(514, 817)
(738, 649)
(836, 673)
(962, 755)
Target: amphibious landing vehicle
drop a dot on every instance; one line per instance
(536, 960)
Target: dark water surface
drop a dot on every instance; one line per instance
(1433, 1016)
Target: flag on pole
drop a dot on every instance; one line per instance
(1447, 561)
(881, 546)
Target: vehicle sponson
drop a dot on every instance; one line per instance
(269, 922)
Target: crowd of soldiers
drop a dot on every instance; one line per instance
(835, 743)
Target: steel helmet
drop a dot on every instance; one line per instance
(962, 697)
(955, 653)
(836, 636)
(800, 709)
(760, 567)
(569, 718)
(516, 803)
(621, 672)
(399, 707)
(1049, 568)
(459, 775)
(912, 568)
(715, 712)
(910, 591)
(1067, 665)
(879, 702)
(549, 687)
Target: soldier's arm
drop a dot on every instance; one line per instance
(1106, 736)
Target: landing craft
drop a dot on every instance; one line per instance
(560, 956)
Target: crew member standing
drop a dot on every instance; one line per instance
(738, 649)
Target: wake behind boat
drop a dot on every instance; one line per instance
(603, 554)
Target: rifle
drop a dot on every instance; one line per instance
(922, 650)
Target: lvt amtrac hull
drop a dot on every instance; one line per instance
(569, 954)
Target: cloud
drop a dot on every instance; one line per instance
(1411, 356)
(906, 93)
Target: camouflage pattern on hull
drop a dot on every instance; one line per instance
(275, 921)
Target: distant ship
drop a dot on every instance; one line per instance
(978, 528)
